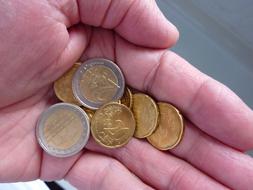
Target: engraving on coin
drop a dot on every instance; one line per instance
(97, 82)
(170, 129)
(63, 130)
(113, 125)
(146, 114)
(63, 86)
(127, 98)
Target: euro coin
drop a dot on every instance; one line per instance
(146, 114)
(127, 98)
(63, 130)
(113, 125)
(63, 86)
(89, 112)
(97, 82)
(170, 129)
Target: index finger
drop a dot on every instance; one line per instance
(138, 21)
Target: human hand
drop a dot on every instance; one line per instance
(39, 49)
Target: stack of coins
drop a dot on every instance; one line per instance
(96, 99)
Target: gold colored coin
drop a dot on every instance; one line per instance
(89, 112)
(127, 98)
(113, 125)
(63, 86)
(146, 114)
(63, 123)
(170, 129)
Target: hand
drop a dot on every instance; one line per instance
(40, 40)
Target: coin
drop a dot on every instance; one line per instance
(170, 129)
(127, 98)
(146, 114)
(63, 130)
(89, 112)
(97, 82)
(113, 125)
(63, 86)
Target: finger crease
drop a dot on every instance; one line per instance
(106, 13)
(197, 94)
(71, 167)
(151, 76)
(125, 14)
(177, 177)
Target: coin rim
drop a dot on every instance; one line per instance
(56, 91)
(180, 136)
(130, 137)
(39, 125)
(157, 115)
(88, 64)
(127, 90)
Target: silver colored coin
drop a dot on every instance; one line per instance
(63, 130)
(97, 82)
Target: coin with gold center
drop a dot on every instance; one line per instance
(113, 125)
(127, 98)
(146, 114)
(63, 130)
(97, 82)
(63, 86)
(170, 129)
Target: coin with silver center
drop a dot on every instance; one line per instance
(97, 82)
(63, 130)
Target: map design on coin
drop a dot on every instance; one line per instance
(113, 125)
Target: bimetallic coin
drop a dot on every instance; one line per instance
(63, 86)
(170, 129)
(97, 82)
(146, 114)
(127, 98)
(113, 125)
(63, 130)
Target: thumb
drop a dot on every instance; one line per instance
(77, 43)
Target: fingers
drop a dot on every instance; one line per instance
(53, 168)
(139, 21)
(94, 171)
(208, 104)
(230, 167)
(160, 170)
(20, 154)
(101, 45)
(77, 42)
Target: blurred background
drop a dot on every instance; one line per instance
(216, 37)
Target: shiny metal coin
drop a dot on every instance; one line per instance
(63, 130)
(113, 125)
(97, 82)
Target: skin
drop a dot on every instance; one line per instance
(40, 40)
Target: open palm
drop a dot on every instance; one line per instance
(40, 40)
